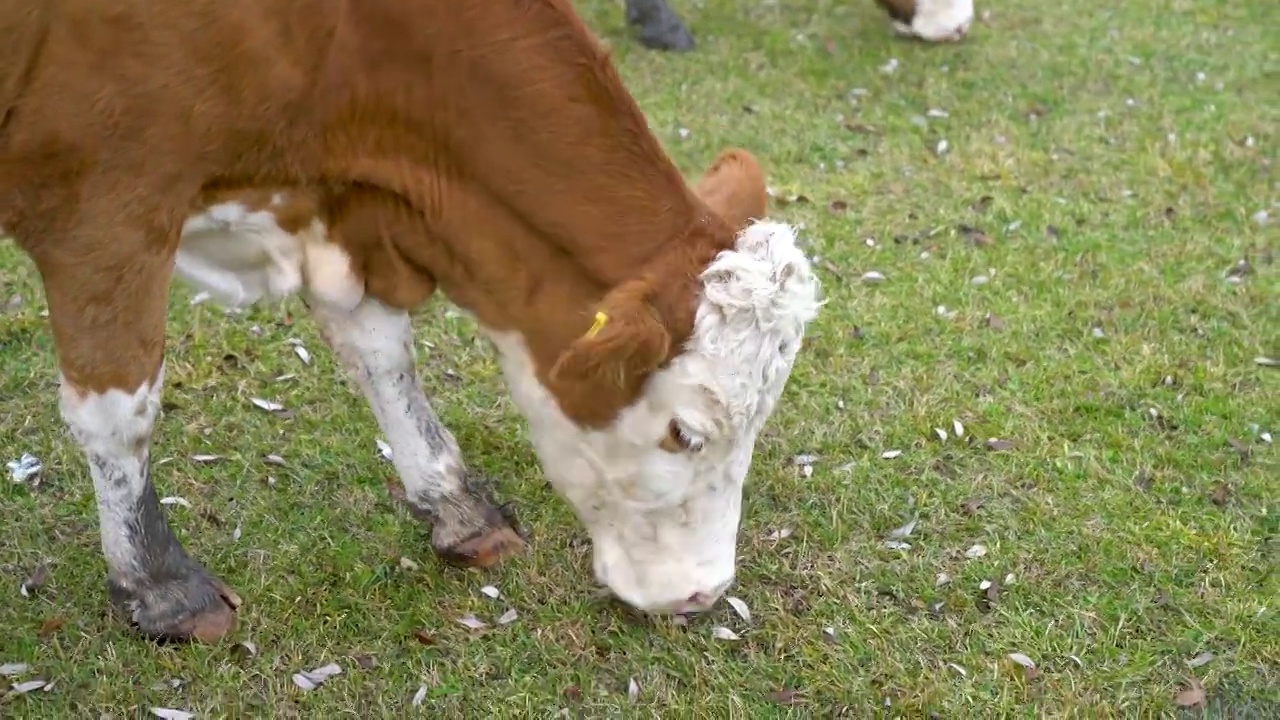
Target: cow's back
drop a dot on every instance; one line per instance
(166, 93)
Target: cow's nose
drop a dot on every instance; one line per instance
(703, 600)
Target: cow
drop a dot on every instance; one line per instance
(659, 27)
(360, 155)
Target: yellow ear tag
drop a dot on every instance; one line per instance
(598, 325)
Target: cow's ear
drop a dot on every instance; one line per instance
(626, 341)
(734, 188)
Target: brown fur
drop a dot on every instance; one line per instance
(487, 147)
(904, 11)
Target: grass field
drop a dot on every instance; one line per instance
(1063, 276)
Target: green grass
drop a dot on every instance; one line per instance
(1106, 185)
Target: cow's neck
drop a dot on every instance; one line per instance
(541, 185)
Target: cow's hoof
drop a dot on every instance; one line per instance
(196, 607)
(499, 539)
(672, 38)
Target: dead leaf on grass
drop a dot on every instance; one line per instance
(905, 531)
(779, 534)
(366, 662)
(12, 669)
(975, 551)
(268, 405)
(739, 607)
(383, 448)
(51, 625)
(471, 622)
(829, 634)
(244, 649)
(994, 322)
(873, 276)
(171, 714)
(972, 505)
(998, 445)
(786, 697)
(1221, 494)
(1142, 480)
(490, 591)
(24, 468)
(205, 458)
(507, 617)
(957, 668)
(312, 679)
(890, 454)
(1203, 658)
(419, 696)
(23, 688)
(273, 459)
(896, 545)
(38, 578)
(838, 206)
(957, 428)
(941, 579)
(723, 633)
(175, 500)
(1265, 361)
(633, 690)
(1192, 695)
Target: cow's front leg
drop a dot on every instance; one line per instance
(108, 319)
(375, 343)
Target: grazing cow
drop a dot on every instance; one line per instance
(661, 28)
(363, 153)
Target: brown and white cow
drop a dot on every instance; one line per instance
(363, 153)
(660, 27)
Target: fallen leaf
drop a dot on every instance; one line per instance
(419, 696)
(366, 662)
(633, 690)
(873, 276)
(472, 622)
(38, 578)
(267, 405)
(957, 668)
(997, 445)
(838, 206)
(1142, 480)
(24, 468)
(302, 354)
(899, 533)
(957, 428)
(941, 579)
(972, 505)
(976, 551)
(311, 679)
(383, 448)
(508, 617)
(779, 534)
(23, 688)
(51, 625)
(942, 434)
(739, 607)
(786, 697)
(890, 454)
(896, 545)
(491, 591)
(175, 500)
(723, 633)
(407, 564)
(11, 669)
(205, 458)
(245, 649)
(829, 634)
(171, 714)
(273, 460)
(1220, 494)
(1022, 660)
(1202, 659)
(1267, 361)
(994, 322)
(424, 637)
(1192, 695)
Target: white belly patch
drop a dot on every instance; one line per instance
(240, 256)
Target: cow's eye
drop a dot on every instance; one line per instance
(678, 440)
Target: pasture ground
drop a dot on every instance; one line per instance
(1103, 166)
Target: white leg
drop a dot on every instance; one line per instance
(375, 343)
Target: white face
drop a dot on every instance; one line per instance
(660, 490)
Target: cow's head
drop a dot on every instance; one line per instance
(659, 487)
(931, 20)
